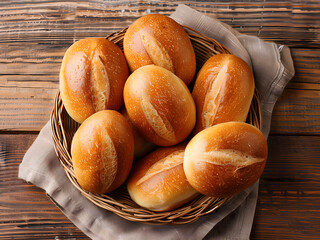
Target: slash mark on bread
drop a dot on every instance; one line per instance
(108, 159)
(228, 157)
(169, 162)
(100, 84)
(159, 124)
(156, 51)
(214, 96)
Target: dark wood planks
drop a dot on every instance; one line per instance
(297, 112)
(288, 205)
(289, 196)
(294, 23)
(25, 210)
(298, 109)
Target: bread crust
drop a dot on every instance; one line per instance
(159, 105)
(158, 182)
(225, 159)
(223, 91)
(158, 39)
(102, 152)
(92, 76)
(141, 145)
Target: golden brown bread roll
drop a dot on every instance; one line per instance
(158, 182)
(225, 159)
(158, 39)
(102, 152)
(223, 91)
(159, 105)
(92, 76)
(141, 145)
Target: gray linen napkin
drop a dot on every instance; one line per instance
(273, 68)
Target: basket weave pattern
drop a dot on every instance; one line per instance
(119, 201)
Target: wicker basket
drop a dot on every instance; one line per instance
(119, 201)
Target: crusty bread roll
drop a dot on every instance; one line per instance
(141, 145)
(223, 91)
(159, 105)
(225, 159)
(92, 76)
(158, 39)
(158, 182)
(102, 152)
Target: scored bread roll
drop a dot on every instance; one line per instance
(102, 152)
(225, 159)
(92, 76)
(157, 182)
(159, 105)
(223, 91)
(158, 39)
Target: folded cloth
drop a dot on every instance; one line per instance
(273, 68)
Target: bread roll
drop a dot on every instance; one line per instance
(92, 76)
(158, 182)
(102, 152)
(223, 91)
(141, 145)
(158, 39)
(159, 105)
(225, 159)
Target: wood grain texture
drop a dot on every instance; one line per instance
(288, 205)
(297, 111)
(27, 95)
(289, 196)
(26, 212)
(294, 23)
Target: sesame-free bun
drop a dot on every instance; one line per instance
(102, 152)
(159, 105)
(157, 182)
(223, 91)
(92, 76)
(225, 159)
(158, 39)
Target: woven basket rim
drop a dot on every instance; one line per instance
(126, 208)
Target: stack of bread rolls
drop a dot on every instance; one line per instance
(170, 142)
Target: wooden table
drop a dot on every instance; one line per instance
(33, 39)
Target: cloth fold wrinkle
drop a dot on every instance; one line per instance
(233, 220)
